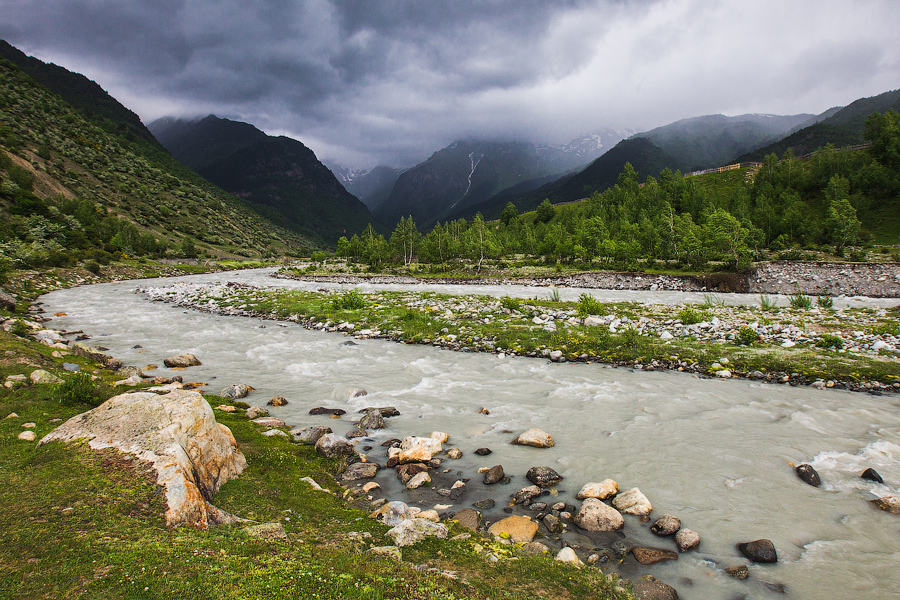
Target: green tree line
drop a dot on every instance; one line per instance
(822, 201)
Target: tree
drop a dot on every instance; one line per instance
(509, 213)
(405, 239)
(479, 241)
(545, 212)
(842, 224)
(188, 249)
(727, 235)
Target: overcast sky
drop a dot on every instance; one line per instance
(366, 82)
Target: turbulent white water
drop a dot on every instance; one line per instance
(715, 453)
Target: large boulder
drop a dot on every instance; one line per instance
(633, 502)
(181, 361)
(687, 539)
(418, 449)
(595, 516)
(534, 437)
(39, 376)
(410, 531)
(360, 470)
(309, 435)
(494, 475)
(331, 445)
(520, 530)
(7, 301)
(469, 519)
(177, 434)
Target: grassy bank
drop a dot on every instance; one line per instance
(840, 347)
(84, 524)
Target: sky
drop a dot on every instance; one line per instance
(367, 82)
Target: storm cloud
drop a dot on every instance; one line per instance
(389, 82)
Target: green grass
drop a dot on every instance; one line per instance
(79, 523)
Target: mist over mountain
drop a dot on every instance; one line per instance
(840, 127)
(371, 186)
(280, 176)
(470, 172)
(713, 140)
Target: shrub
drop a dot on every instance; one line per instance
(78, 388)
(510, 303)
(554, 294)
(19, 328)
(825, 301)
(690, 316)
(830, 341)
(588, 305)
(712, 300)
(767, 302)
(798, 300)
(92, 266)
(746, 335)
(351, 300)
(318, 257)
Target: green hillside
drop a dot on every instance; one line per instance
(844, 128)
(69, 187)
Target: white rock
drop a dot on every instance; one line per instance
(602, 490)
(177, 434)
(633, 502)
(567, 555)
(27, 436)
(534, 437)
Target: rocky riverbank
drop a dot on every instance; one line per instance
(813, 278)
(776, 346)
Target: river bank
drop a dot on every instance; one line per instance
(876, 280)
(104, 514)
(846, 348)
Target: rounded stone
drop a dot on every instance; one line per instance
(594, 515)
(494, 475)
(808, 475)
(534, 437)
(687, 539)
(666, 525)
(602, 490)
(543, 476)
(761, 551)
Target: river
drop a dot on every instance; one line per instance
(715, 453)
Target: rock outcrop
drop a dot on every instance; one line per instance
(177, 434)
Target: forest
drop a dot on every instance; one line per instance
(834, 201)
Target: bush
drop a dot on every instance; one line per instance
(588, 305)
(80, 389)
(510, 303)
(798, 300)
(689, 316)
(825, 301)
(92, 266)
(746, 335)
(830, 341)
(19, 328)
(767, 302)
(318, 257)
(351, 300)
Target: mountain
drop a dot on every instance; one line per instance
(713, 140)
(279, 176)
(646, 158)
(469, 172)
(844, 127)
(82, 93)
(69, 184)
(372, 187)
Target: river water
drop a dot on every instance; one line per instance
(715, 453)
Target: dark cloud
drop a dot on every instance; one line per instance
(392, 81)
